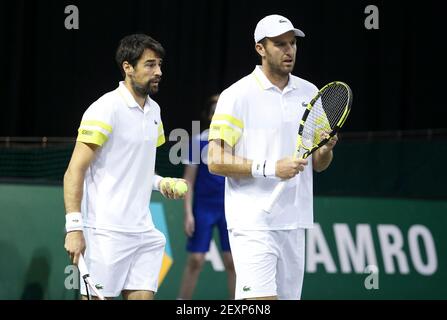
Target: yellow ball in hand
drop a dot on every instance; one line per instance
(167, 183)
(171, 184)
(180, 187)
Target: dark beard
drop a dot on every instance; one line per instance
(277, 70)
(143, 90)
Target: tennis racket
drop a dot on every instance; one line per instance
(325, 114)
(87, 280)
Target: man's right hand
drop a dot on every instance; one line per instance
(289, 167)
(74, 245)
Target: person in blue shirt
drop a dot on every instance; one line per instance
(204, 210)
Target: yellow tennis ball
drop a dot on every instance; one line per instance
(181, 187)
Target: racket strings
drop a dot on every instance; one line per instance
(325, 114)
(334, 102)
(316, 123)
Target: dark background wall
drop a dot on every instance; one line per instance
(50, 75)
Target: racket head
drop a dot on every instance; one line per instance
(325, 113)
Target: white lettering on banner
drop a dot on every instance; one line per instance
(432, 261)
(72, 280)
(213, 256)
(391, 244)
(317, 251)
(372, 20)
(372, 281)
(354, 252)
(361, 252)
(72, 20)
(182, 138)
(195, 146)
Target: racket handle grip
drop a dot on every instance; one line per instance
(274, 196)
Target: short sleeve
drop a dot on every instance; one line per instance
(161, 134)
(96, 124)
(227, 123)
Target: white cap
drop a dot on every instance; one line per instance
(273, 26)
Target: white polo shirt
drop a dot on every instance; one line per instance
(261, 122)
(118, 183)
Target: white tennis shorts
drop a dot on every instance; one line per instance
(268, 263)
(123, 261)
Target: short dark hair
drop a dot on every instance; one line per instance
(131, 49)
(263, 41)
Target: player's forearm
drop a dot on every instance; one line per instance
(322, 160)
(73, 190)
(232, 170)
(228, 165)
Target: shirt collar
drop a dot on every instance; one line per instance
(128, 97)
(265, 83)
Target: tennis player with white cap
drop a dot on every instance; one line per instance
(252, 139)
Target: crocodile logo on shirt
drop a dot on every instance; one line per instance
(87, 132)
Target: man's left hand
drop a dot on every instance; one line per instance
(329, 145)
(170, 188)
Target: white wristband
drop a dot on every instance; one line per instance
(263, 169)
(257, 168)
(156, 182)
(73, 222)
(270, 169)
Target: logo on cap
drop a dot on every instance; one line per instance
(282, 21)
